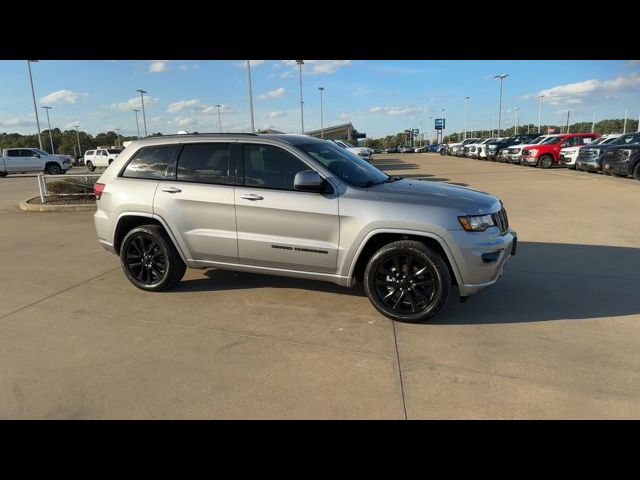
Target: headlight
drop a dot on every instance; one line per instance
(533, 152)
(476, 223)
(596, 151)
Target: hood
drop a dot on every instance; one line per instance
(420, 192)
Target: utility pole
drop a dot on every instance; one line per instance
(219, 119)
(540, 111)
(78, 138)
(300, 63)
(137, 124)
(49, 123)
(502, 76)
(253, 128)
(321, 113)
(568, 113)
(144, 115)
(593, 123)
(466, 99)
(624, 128)
(35, 106)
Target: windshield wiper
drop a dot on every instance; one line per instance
(392, 179)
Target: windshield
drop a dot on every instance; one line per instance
(346, 165)
(624, 139)
(551, 141)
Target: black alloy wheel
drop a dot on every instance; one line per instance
(54, 169)
(407, 281)
(545, 161)
(150, 260)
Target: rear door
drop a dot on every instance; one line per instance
(197, 201)
(277, 226)
(13, 160)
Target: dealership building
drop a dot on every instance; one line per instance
(338, 132)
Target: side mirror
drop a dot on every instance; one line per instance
(37, 155)
(310, 181)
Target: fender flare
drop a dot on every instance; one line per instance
(437, 238)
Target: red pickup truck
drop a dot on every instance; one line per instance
(546, 153)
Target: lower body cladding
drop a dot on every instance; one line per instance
(480, 257)
(513, 158)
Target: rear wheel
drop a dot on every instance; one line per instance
(150, 260)
(90, 166)
(636, 172)
(545, 161)
(407, 281)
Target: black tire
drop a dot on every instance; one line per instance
(3, 174)
(636, 172)
(545, 161)
(90, 166)
(159, 267)
(110, 162)
(53, 169)
(387, 274)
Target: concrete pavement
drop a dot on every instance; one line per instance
(555, 338)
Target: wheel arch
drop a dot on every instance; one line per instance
(377, 238)
(129, 220)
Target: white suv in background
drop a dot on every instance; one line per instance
(100, 157)
(362, 152)
(569, 155)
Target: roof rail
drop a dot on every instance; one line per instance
(206, 133)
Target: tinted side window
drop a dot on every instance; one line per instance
(89, 152)
(13, 153)
(270, 167)
(205, 163)
(26, 153)
(150, 162)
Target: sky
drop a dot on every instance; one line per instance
(380, 97)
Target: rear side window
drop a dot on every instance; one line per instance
(205, 163)
(13, 153)
(89, 152)
(270, 167)
(150, 162)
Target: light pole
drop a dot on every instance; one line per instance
(35, 107)
(137, 124)
(624, 128)
(593, 123)
(253, 129)
(300, 63)
(540, 111)
(219, 119)
(466, 99)
(442, 129)
(49, 123)
(78, 138)
(502, 76)
(118, 134)
(321, 113)
(516, 110)
(568, 114)
(144, 115)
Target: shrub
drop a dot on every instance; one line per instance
(72, 185)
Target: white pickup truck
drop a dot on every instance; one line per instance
(23, 160)
(100, 157)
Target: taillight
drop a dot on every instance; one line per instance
(98, 188)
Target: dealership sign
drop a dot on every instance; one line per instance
(439, 124)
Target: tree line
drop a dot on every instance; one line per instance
(64, 142)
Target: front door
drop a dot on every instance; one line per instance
(279, 227)
(197, 201)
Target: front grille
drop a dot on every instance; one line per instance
(501, 221)
(513, 151)
(586, 153)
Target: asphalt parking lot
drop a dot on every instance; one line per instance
(557, 337)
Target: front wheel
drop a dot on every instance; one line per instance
(54, 169)
(407, 281)
(3, 174)
(636, 172)
(545, 161)
(90, 166)
(150, 260)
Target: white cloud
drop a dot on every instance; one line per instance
(277, 114)
(182, 104)
(62, 96)
(573, 93)
(133, 103)
(270, 76)
(184, 122)
(315, 67)
(158, 66)
(17, 122)
(277, 93)
(394, 111)
(183, 67)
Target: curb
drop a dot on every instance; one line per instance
(30, 207)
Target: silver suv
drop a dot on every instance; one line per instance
(302, 207)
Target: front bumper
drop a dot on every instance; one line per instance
(513, 158)
(529, 160)
(568, 161)
(470, 247)
(589, 165)
(619, 168)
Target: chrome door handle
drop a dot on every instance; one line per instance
(251, 196)
(171, 190)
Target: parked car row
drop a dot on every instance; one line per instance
(611, 154)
